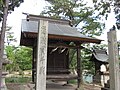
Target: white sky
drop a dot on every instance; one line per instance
(35, 7)
(29, 6)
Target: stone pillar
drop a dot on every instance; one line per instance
(113, 61)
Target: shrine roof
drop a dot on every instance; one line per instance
(57, 29)
(100, 55)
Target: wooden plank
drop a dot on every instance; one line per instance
(62, 77)
(113, 60)
(75, 39)
(42, 55)
(65, 46)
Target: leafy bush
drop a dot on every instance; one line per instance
(21, 58)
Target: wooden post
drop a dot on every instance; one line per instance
(79, 67)
(3, 29)
(42, 55)
(113, 61)
(34, 62)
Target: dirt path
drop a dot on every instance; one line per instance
(91, 87)
(52, 86)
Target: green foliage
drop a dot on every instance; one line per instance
(106, 6)
(86, 55)
(10, 50)
(12, 5)
(103, 6)
(72, 81)
(21, 58)
(9, 36)
(81, 15)
(86, 18)
(102, 46)
(24, 58)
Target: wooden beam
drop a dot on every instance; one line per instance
(65, 46)
(61, 37)
(75, 39)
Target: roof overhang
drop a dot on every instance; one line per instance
(28, 37)
(57, 30)
(100, 55)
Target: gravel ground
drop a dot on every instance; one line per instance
(52, 86)
(91, 87)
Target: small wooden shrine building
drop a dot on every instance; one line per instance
(60, 36)
(99, 57)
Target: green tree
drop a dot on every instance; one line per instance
(9, 36)
(24, 58)
(106, 6)
(13, 66)
(81, 16)
(12, 5)
(86, 55)
(20, 57)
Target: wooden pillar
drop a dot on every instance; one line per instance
(34, 59)
(33, 66)
(113, 61)
(79, 67)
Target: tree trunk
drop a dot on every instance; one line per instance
(5, 13)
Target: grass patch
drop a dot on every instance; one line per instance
(72, 81)
(18, 79)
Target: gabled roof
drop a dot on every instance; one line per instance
(57, 29)
(53, 29)
(100, 55)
